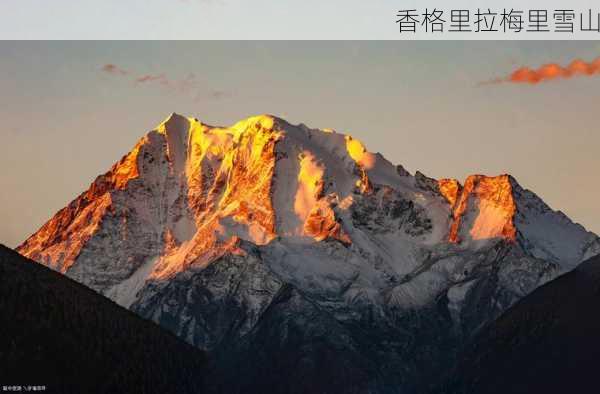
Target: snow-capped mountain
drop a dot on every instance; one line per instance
(289, 249)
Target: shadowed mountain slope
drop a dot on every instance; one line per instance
(62, 335)
(549, 342)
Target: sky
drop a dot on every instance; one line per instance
(69, 110)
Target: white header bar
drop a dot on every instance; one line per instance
(301, 19)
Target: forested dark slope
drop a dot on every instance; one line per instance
(549, 342)
(59, 334)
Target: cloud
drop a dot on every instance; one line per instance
(161, 79)
(113, 69)
(551, 71)
(190, 85)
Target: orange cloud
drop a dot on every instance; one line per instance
(552, 71)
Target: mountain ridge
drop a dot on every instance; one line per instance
(64, 336)
(178, 154)
(547, 342)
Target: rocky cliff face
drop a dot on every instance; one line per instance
(289, 249)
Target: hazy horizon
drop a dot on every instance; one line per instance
(71, 109)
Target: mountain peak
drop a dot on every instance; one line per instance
(262, 122)
(187, 189)
(175, 123)
(484, 210)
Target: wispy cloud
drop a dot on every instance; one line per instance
(550, 72)
(147, 78)
(113, 69)
(190, 85)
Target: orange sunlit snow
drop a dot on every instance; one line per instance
(310, 185)
(359, 153)
(490, 204)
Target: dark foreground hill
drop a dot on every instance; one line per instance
(549, 342)
(59, 334)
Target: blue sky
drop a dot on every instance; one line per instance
(64, 120)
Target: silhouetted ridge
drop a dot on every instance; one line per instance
(549, 342)
(60, 334)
